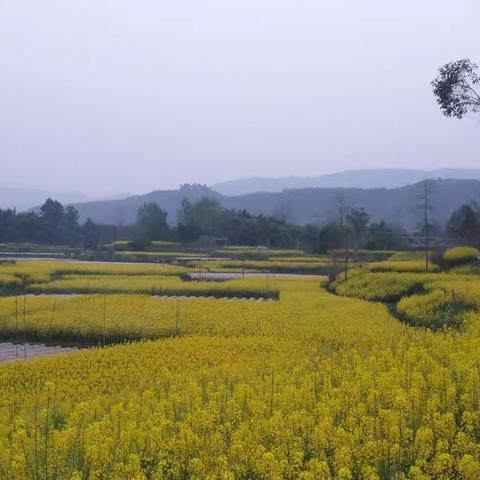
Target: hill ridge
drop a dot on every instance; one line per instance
(366, 178)
(400, 205)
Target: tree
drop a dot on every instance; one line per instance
(330, 238)
(311, 238)
(51, 214)
(59, 224)
(464, 224)
(17, 227)
(91, 235)
(358, 219)
(455, 88)
(152, 221)
(71, 227)
(385, 237)
(206, 215)
(54, 224)
(198, 218)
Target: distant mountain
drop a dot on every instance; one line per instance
(401, 206)
(117, 196)
(380, 178)
(26, 198)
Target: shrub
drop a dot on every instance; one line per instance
(401, 266)
(434, 310)
(459, 255)
(407, 256)
(379, 287)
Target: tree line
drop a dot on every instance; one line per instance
(53, 224)
(206, 223)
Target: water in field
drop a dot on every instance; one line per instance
(11, 351)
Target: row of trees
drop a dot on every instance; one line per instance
(464, 225)
(205, 221)
(351, 225)
(53, 224)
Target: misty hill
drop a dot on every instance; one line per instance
(25, 198)
(124, 212)
(379, 178)
(401, 206)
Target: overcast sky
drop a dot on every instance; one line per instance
(118, 96)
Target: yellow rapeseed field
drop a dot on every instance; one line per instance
(158, 285)
(313, 386)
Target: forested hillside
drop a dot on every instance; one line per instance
(311, 205)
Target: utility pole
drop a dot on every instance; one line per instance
(104, 311)
(341, 217)
(243, 261)
(24, 321)
(426, 228)
(16, 324)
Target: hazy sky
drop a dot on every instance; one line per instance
(108, 96)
